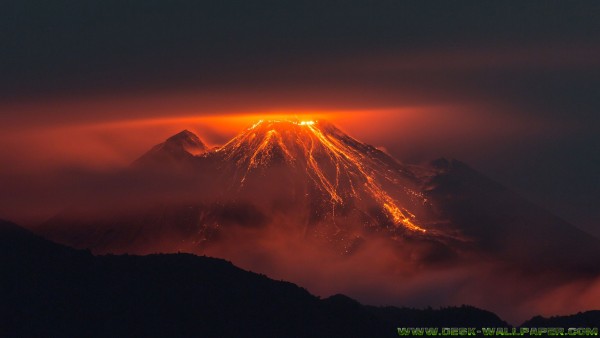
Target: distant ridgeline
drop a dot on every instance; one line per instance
(49, 290)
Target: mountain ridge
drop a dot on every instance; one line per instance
(98, 296)
(323, 178)
(308, 196)
(75, 293)
(339, 190)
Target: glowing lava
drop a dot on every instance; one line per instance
(342, 168)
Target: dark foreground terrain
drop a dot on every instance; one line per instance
(49, 290)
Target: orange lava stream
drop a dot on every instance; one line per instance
(380, 195)
(341, 155)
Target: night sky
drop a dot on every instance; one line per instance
(511, 88)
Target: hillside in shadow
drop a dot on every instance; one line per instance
(49, 290)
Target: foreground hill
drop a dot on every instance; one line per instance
(49, 290)
(581, 319)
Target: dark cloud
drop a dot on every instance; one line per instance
(93, 45)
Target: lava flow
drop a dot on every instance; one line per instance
(339, 166)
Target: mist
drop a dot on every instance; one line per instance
(398, 274)
(377, 271)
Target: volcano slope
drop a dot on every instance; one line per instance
(310, 178)
(303, 201)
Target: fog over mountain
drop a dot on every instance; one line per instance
(303, 201)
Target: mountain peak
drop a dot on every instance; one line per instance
(341, 169)
(188, 141)
(184, 134)
(178, 147)
(286, 125)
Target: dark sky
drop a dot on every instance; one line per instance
(525, 76)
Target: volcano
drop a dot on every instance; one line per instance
(311, 182)
(333, 170)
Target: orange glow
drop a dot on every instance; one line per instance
(310, 136)
(428, 131)
(347, 158)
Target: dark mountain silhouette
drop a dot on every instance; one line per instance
(506, 225)
(49, 290)
(463, 316)
(589, 319)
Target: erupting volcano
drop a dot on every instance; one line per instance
(309, 182)
(303, 201)
(333, 166)
(307, 176)
(406, 155)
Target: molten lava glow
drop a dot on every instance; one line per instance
(348, 157)
(309, 144)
